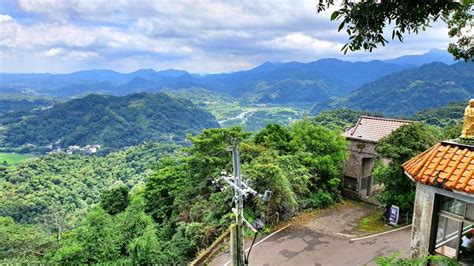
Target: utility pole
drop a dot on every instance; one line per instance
(238, 249)
(241, 190)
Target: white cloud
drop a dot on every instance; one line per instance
(199, 35)
(298, 40)
(65, 54)
(5, 18)
(54, 52)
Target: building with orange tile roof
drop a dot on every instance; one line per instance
(447, 165)
(443, 216)
(357, 181)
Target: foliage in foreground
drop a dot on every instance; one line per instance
(401, 145)
(435, 260)
(177, 212)
(365, 22)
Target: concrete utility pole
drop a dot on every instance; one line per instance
(241, 190)
(237, 234)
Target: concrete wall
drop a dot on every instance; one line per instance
(422, 220)
(358, 150)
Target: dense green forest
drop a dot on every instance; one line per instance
(341, 119)
(14, 104)
(449, 115)
(68, 184)
(80, 209)
(410, 91)
(113, 122)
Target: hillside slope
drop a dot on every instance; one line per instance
(410, 91)
(114, 122)
(448, 115)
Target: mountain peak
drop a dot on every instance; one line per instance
(144, 71)
(433, 55)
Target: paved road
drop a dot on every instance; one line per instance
(308, 245)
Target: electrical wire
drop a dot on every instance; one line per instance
(251, 246)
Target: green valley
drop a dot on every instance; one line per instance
(230, 111)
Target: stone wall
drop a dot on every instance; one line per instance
(422, 220)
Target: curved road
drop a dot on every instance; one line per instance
(307, 245)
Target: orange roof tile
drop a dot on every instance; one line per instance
(447, 164)
(372, 129)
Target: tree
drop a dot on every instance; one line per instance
(401, 145)
(18, 240)
(365, 22)
(322, 152)
(115, 200)
(137, 233)
(274, 136)
(95, 241)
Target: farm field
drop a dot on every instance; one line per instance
(14, 158)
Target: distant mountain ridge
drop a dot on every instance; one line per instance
(269, 83)
(434, 55)
(410, 91)
(114, 122)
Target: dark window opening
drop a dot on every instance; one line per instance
(351, 183)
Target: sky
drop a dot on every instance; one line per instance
(200, 36)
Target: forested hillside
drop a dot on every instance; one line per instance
(67, 185)
(300, 82)
(341, 119)
(113, 122)
(9, 105)
(410, 91)
(79, 209)
(445, 116)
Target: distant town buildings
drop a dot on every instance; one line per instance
(74, 149)
(88, 149)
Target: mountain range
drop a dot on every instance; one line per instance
(404, 93)
(270, 83)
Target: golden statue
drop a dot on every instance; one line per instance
(468, 129)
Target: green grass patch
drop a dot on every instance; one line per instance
(373, 223)
(14, 158)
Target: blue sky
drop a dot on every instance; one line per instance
(199, 36)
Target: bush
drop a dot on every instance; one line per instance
(115, 200)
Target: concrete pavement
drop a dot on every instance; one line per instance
(307, 244)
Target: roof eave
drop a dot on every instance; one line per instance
(364, 140)
(409, 176)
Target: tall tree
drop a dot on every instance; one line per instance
(401, 145)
